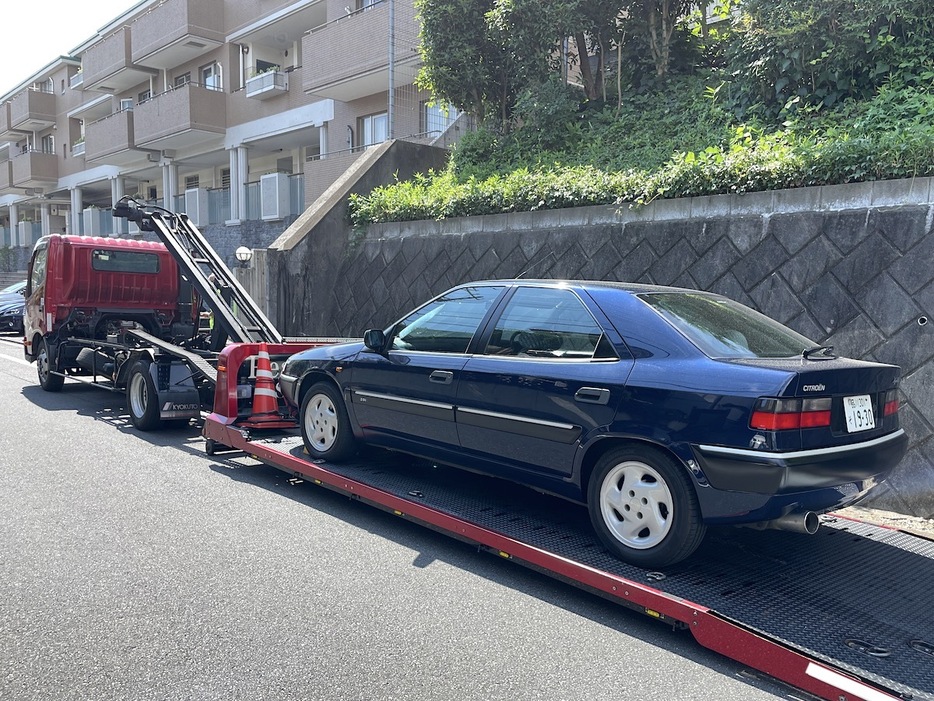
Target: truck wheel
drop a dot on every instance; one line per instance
(142, 398)
(325, 425)
(47, 380)
(643, 507)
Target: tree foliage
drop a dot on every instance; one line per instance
(821, 52)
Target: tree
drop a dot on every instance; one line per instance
(480, 54)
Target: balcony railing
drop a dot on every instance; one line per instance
(32, 110)
(110, 137)
(77, 80)
(77, 149)
(181, 117)
(33, 168)
(266, 85)
(176, 31)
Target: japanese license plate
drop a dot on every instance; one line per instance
(858, 411)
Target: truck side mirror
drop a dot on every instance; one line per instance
(374, 339)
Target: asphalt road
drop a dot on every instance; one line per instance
(133, 566)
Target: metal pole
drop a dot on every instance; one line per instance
(392, 69)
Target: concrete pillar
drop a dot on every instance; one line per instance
(323, 139)
(45, 214)
(14, 218)
(243, 168)
(117, 191)
(236, 193)
(169, 183)
(77, 208)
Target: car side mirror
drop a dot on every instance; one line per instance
(374, 339)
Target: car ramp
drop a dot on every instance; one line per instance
(847, 613)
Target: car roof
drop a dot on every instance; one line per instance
(632, 287)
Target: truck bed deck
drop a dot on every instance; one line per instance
(844, 614)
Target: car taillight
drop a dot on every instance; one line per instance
(891, 403)
(786, 414)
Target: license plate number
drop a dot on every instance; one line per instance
(858, 411)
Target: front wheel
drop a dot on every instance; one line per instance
(326, 429)
(142, 398)
(643, 507)
(48, 380)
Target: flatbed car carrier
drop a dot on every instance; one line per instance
(843, 614)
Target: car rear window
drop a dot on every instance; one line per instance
(723, 328)
(124, 261)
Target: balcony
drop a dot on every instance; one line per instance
(266, 85)
(6, 177)
(110, 139)
(351, 54)
(76, 81)
(32, 110)
(6, 131)
(177, 31)
(34, 169)
(181, 118)
(108, 64)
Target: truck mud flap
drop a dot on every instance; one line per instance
(843, 614)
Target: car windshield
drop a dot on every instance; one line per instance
(12, 289)
(722, 328)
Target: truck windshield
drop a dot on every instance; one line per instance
(722, 328)
(124, 261)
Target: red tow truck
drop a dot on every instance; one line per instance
(844, 614)
(126, 315)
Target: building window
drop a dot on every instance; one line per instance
(191, 182)
(265, 66)
(373, 129)
(225, 177)
(47, 144)
(182, 79)
(144, 96)
(211, 76)
(366, 4)
(435, 119)
(126, 104)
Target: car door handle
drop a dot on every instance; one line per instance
(441, 377)
(592, 395)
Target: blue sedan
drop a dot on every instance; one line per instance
(663, 410)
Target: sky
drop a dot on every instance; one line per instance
(36, 33)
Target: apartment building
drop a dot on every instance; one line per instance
(233, 111)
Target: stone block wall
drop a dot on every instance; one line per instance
(850, 266)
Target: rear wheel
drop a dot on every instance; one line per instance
(142, 398)
(325, 425)
(643, 507)
(49, 381)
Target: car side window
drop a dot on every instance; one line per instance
(547, 322)
(446, 324)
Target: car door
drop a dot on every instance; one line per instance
(547, 377)
(407, 392)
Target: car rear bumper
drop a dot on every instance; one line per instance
(758, 472)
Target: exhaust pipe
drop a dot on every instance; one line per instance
(805, 522)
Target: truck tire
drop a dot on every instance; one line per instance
(47, 380)
(142, 397)
(643, 507)
(326, 429)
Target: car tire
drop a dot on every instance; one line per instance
(142, 397)
(326, 429)
(48, 381)
(643, 507)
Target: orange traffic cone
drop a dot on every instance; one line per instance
(265, 399)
